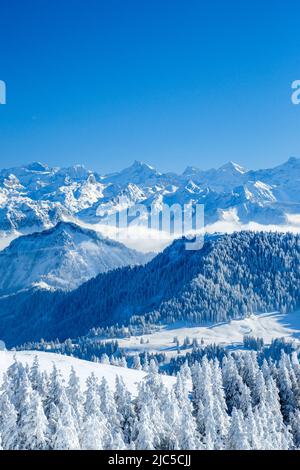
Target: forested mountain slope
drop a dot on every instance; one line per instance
(231, 276)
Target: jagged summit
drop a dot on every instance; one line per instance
(190, 170)
(233, 167)
(37, 166)
(141, 165)
(293, 160)
(137, 173)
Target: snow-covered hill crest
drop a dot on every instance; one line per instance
(83, 369)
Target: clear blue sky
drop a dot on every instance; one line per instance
(169, 82)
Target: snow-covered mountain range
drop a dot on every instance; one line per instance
(62, 257)
(35, 197)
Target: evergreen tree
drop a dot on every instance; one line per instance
(144, 432)
(125, 409)
(136, 362)
(66, 435)
(237, 436)
(74, 395)
(109, 410)
(8, 423)
(33, 426)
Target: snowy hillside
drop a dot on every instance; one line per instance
(267, 326)
(82, 368)
(61, 257)
(35, 197)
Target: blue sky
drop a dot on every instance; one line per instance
(171, 83)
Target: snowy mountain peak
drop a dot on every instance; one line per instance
(75, 172)
(190, 170)
(66, 228)
(233, 168)
(37, 167)
(142, 165)
(61, 257)
(142, 168)
(137, 173)
(293, 160)
(293, 163)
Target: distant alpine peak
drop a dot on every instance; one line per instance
(190, 170)
(138, 173)
(140, 164)
(37, 167)
(230, 167)
(234, 167)
(142, 167)
(76, 172)
(293, 161)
